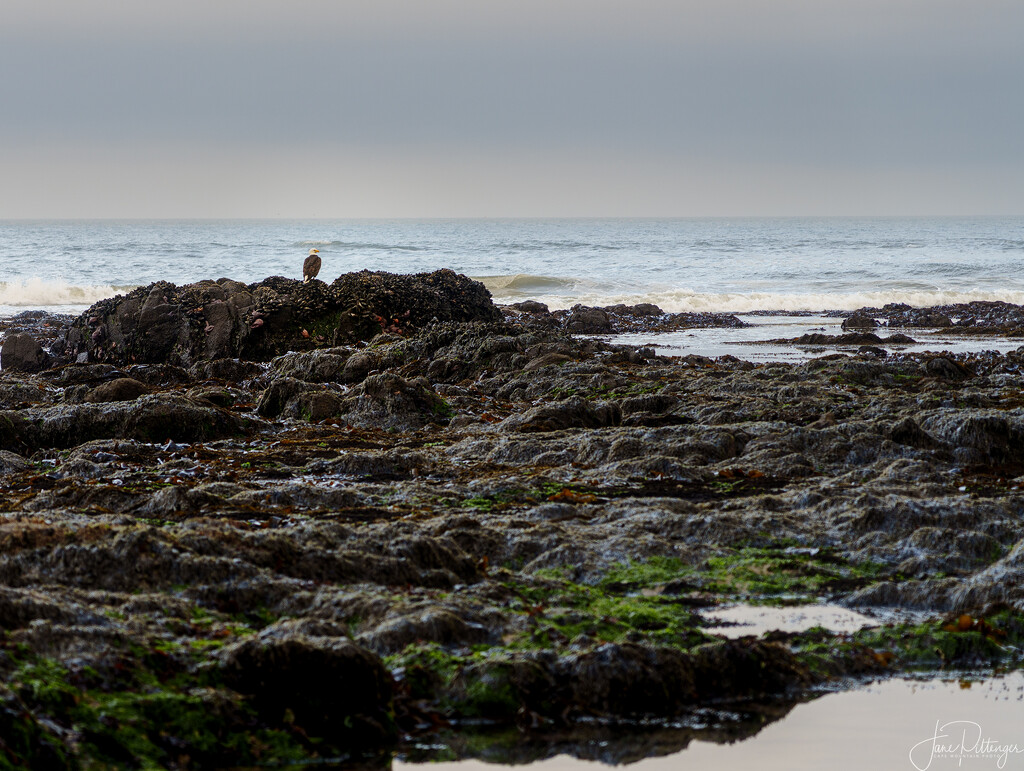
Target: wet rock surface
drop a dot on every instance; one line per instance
(22, 353)
(167, 324)
(479, 519)
(982, 317)
(618, 319)
(818, 339)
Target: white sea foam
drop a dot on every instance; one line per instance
(40, 293)
(527, 286)
(686, 300)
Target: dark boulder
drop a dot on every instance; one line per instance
(625, 680)
(11, 463)
(359, 365)
(531, 306)
(218, 397)
(314, 366)
(276, 396)
(859, 321)
(83, 374)
(644, 317)
(150, 418)
(224, 319)
(947, 369)
(934, 319)
(850, 338)
(640, 309)
(233, 371)
(588, 321)
(123, 389)
(908, 432)
(980, 436)
(375, 302)
(380, 401)
(746, 668)
(315, 406)
(570, 413)
(22, 353)
(391, 402)
(435, 625)
(325, 686)
(631, 680)
(505, 688)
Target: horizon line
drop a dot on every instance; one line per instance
(503, 218)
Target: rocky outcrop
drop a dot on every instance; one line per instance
(153, 418)
(588, 321)
(22, 353)
(612, 319)
(385, 401)
(848, 339)
(571, 413)
(122, 389)
(628, 681)
(859, 321)
(208, 320)
(976, 315)
(328, 687)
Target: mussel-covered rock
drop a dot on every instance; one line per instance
(327, 686)
(224, 319)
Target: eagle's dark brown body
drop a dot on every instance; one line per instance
(311, 266)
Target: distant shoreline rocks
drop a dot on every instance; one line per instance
(619, 319)
(163, 323)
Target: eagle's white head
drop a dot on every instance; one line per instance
(314, 251)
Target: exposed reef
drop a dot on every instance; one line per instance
(273, 548)
(979, 317)
(166, 324)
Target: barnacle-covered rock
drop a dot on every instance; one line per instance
(224, 319)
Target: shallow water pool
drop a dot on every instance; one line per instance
(750, 343)
(741, 620)
(930, 724)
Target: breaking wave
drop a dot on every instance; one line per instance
(40, 293)
(685, 300)
(560, 292)
(527, 286)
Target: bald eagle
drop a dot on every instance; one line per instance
(311, 266)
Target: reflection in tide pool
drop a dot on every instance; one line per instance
(930, 724)
(753, 343)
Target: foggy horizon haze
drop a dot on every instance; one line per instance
(454, 109)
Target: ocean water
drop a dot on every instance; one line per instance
(731, 265)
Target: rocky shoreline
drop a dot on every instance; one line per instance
(271, 523)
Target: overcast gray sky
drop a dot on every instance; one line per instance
(449, 108)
